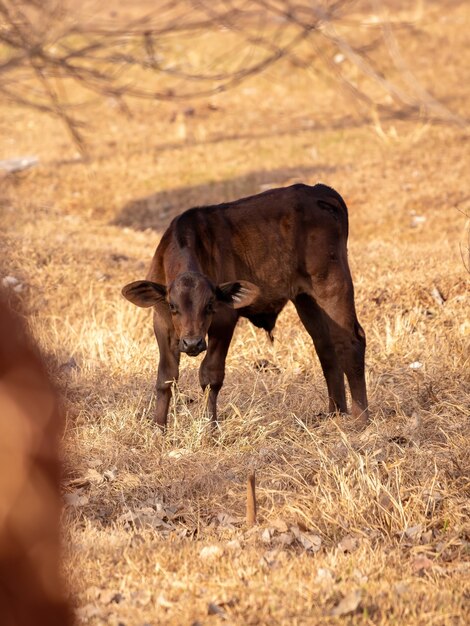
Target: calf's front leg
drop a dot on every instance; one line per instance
(212, 370)
(168, 366)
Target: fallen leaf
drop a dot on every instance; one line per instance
(78, 483)
(324, 575)
(426, 537)
(69, 365)
(433, 499)
(280, 525)
(18, 164)
(178, 453)
(412, 532)
(159, 510)
(127, 518)
(95, 462)
(266, 535)
(93, 592)
(163, 602)
(263, 365)
(273, 558)
(228, 521)
(234, 544)
(110, 474)
(211, 552)
(285, 539)
(437, 296)
(87, 612)
(110, 595)
(10, 281)
(400, 440)
(173, 512)
(401, 588)
(348, 604)
(146, 511)
(309, 541)
(348, 544)
(359, 576)
(141, 597)
(75, 499)
(413, 426)
(417, 220)
(230, 601)
(93, 476)
(214, 609)
(145, 516)
(386, 502)
(421, 563)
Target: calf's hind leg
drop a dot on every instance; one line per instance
(335, 296)
(317, 327)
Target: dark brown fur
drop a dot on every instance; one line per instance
(248, 258)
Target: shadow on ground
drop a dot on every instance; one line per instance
(157, 210)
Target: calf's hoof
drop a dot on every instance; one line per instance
(361, 420)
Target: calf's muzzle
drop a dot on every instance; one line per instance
(193, 345)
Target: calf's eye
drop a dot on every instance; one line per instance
(173, 308)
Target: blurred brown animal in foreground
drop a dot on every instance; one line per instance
(31, 590)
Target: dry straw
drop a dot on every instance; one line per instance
(362, 527)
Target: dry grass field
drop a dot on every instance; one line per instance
(366, 527)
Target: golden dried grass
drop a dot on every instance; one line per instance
(390, 505)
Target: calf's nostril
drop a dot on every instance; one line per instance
(201, 345)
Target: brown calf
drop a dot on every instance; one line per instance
(31, 589)
(247, 259)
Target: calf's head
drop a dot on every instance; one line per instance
(192, 300)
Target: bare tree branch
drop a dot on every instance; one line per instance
(45, 40)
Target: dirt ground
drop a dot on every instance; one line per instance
(353, 527)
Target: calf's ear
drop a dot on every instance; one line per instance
(144, 293)
(238, 294)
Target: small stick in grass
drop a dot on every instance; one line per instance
(250, 500)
